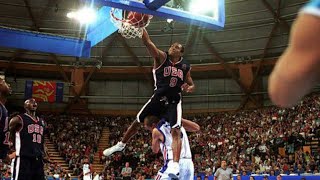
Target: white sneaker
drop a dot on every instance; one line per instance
(173, 170)
(118, 147)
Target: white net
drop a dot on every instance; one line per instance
(129, 26)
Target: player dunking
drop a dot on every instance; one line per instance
(162, 139)
(297, 70)
(5, 91)
(171, 74)
(28, 143)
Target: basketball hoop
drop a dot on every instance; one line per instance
(130, 24)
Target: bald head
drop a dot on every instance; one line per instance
(30, 104)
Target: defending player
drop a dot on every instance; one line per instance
(162, 139)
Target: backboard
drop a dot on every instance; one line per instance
(203, 13)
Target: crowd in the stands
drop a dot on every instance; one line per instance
(75, 137)
(264, 141)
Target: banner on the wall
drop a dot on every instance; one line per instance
(44, 91)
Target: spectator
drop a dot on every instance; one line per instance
(238, 177)
(223, 173)
(279, 177)
(126, 172)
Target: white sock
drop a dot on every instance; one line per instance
(173, 164)
(176, 164)
(121, 143)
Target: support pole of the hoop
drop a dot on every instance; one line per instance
(154, 4)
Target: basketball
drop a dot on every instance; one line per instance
(138, 19)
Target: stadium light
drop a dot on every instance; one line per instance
(169, 20)
(71, 15)
(205, 7)
(84, 16)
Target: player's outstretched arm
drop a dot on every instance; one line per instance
(158, 55)
(190, 126)
(297, 70)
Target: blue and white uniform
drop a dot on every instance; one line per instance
(165, 147)
(186, 165)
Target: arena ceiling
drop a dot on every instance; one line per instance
(256, 31)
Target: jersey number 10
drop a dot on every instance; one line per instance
(37, 138)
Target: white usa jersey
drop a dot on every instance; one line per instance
(165, 129)
(313, 7)
(186, 170)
